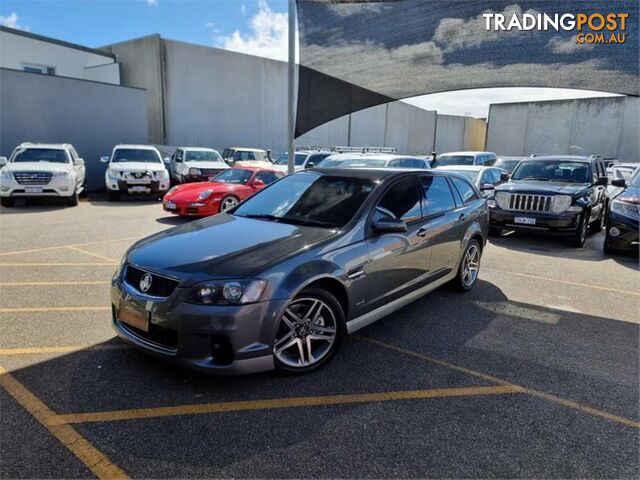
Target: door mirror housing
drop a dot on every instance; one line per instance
(257, 184)
(389, 225)
(166, 160)
(488, 186)
(619, 182)
(310, 165)
(504, 177)
(602, 181)
(3, 161)
(104, 159)
(79, 162)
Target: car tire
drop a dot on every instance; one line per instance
(228, 202)
(113, 196)
(607, 248)
(495, 232)
(7, 201)
(598, 225)
(294, 331)
(580, 236)
(469, 267)
(72, 201)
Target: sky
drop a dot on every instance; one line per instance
(258, 27)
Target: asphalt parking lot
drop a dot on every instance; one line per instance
(532, 374)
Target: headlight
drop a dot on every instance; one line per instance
(232, 292)
(171, 191)
(113, 173)
(61, 174)
(195, 171)
(163, 174)
(5, 173)
(626, 208)
(205, 194)
(121, 265)
(502, 199)
(560, 203)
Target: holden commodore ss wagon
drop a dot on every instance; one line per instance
(280, 280)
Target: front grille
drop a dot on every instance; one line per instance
(530, 203)
(161, 336)
(32, 178)
(160, 286)
(137, 175)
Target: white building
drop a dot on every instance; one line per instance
(29, 52)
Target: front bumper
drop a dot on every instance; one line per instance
(186, 209)
(553, 224)
(629, 228)
(226, 340)
(51, 189)
(132, 188)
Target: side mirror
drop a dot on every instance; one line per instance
(488, 186)
(389, 225)
(504, 177)
(603, 181)
(79, 161)
(166, 160)
(257, 184)
(310, 165)
(3, 161)
(104, 159)
(619, 182)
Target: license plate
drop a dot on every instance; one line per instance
(138, 188)
(170, 206)
(134, 317)
(525, 220)
(33, 189)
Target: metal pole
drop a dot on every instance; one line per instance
(291, 81)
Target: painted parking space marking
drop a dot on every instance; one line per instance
(85, 451)
(60, 349)
(529, 391)
(87, 252)
(54, 309)
(277, 403)
(567, 282)
(52, 284)
(59, 264)
(85, 244)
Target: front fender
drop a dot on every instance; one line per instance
(307, 273)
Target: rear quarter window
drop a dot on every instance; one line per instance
(464, 188)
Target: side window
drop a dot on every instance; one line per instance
(490, 160)
(393, 163)
(438, 196)
(73, 155)
(466, 191)
(266, 177)
(495, 173)
(179, 155)
(403, 200)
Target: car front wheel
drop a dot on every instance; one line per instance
(228, 202)
(580, 236)
(7, 201)
(310, 331)
(469, 267)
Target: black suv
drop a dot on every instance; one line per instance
(560, 194)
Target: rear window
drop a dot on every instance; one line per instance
(446, 160)
(53, 155)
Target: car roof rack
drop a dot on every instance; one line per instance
(317, 148)
(364, 149)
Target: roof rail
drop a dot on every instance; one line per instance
(312, 147)
(364, 149)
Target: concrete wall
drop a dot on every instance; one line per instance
(92, 116)
(607, 126)
(16, 50)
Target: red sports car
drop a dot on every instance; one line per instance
(226, 190)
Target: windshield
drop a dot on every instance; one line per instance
(508, 165)
(363, 162)
(622, 172)
(52, 155)
(635, 180)
(444, 160)
(244, 156)
(202, 156)
(552, 170)
(122, 155)
(237, 176)
(309, 199)
(284, 159)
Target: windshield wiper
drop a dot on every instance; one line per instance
(261, 216)
(307, 222)
(534, 178)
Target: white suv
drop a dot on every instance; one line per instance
(136, 169)
(191, 164)
(42, 170)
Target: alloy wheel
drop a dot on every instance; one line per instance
(471, 265)
(228, 203)
(307, 331)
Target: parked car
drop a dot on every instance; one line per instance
(561, 195)
(303, 159)
(622, 171)
(375, 160)
(485, 179)
(191, 164)
(508, 163)
(135, 169)
(42, 170)
(464, 158)
(222, 193)
(623, 216)
(248, 157)
(280, 280)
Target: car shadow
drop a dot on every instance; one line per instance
(175, 220)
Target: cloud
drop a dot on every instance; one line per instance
(569, 46)
(153, 3)
(346, 9)
(11, 21)
(267, 36)
(243, 9)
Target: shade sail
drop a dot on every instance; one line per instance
(357, 54)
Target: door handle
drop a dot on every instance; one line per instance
(422, 232)
(463, 216)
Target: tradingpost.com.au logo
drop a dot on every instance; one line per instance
(593, 28)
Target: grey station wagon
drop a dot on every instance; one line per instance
(280, 280)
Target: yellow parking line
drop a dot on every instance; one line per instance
(94, 459)
(270, 404)
(87, 252)
(48, 284)
(567, 282)
(60, 349)
(45, 249)
(54, 309)
(59, 264)
(530, 391)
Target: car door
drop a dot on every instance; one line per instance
(446, 219)
(80, 170)
(398, 262)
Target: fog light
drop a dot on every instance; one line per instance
(64, 188)
(614, 231)
(4, 189)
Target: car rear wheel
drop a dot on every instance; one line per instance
(228, 202)
(7, 201)
(113, 196)
(310, 331)
(469, 267)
